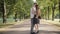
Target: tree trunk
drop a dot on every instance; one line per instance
(59, 10)
(53, 9)
(4, 12)
(16, 17)
(52, 14)
(48, 12)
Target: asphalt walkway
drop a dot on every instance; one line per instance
(24, 28)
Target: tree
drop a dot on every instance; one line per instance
(59, 10)
(53, 8)
(3, 10)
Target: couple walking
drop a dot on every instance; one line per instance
(35, 16)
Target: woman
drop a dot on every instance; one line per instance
(36, 19)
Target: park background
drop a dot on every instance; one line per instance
(12, 11)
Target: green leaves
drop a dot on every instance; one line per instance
(19, 6)
(43, 4)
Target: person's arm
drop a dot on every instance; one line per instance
(32, 11)
(39, 12)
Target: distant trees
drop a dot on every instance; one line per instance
(49, 8)
(15, 8)
(59, 10)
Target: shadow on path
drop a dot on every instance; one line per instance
(28, 32)
(27, 24)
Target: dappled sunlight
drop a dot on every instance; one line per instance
(34, 1)
(28, 32)
(24, 28)
(15, 16)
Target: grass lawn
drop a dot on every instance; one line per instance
(4, 25)
(56, 22)
(9, 22)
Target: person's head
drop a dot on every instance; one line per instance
(35, 4)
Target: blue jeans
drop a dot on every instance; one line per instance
(32, 25)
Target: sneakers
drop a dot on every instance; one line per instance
(37, 32)
(33, 33)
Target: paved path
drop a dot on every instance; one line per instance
(24, 28)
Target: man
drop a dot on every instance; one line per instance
(33, 12)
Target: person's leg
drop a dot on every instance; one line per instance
(38, 25)
(37, 28)
(32, 25)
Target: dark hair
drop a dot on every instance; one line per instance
(35, 3)
(37, 7)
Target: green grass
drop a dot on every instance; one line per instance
(9, 22)
(4, 25)
(57, 25)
